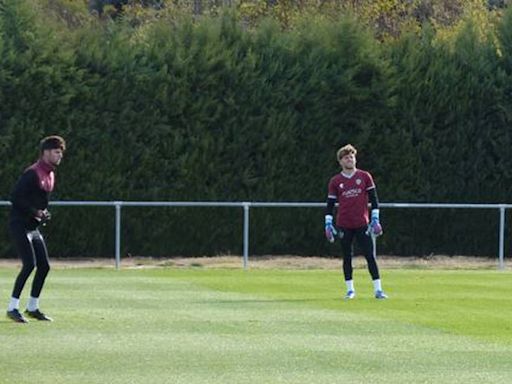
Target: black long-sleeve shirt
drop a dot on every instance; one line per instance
(31, 193)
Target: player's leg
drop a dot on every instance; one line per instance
(43, 267)
(364, 240)
(23, 245)
(348, 253)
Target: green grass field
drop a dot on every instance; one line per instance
(261, 326)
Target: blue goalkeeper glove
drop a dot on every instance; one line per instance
(374, 228)
(330, 231)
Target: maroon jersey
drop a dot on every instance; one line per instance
(45, 175)
(352, 195)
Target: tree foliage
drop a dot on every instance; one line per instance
(160, 105)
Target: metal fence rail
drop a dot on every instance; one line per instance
(246, 206)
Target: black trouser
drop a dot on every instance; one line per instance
(32, 250)
(364, 241)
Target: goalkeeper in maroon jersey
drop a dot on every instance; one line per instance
(353, 188)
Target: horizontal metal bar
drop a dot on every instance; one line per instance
(442, 205)
(182, 204)
(259, 204)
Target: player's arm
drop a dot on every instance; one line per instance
(20, 197)
(375, 226)
(374, 199)
(329, 209)
(330, 231)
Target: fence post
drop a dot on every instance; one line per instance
(246, 233)
(502, 238)
(118, 233)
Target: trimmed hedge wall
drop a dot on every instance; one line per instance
(207, 110)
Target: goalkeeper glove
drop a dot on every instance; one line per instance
(375, 229)
(330, 231)
(43, 216)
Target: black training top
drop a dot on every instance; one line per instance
(31, 193)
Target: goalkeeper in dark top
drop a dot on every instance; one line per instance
(353, 188)
(29, 211)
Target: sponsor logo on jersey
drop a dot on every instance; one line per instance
(352, 192)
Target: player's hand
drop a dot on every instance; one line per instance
(330, 231)
(46, 215)
(374, 228)
(43, 215)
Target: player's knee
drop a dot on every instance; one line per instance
(43, 268)
(27, 267)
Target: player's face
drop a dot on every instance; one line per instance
(348, 162)
(53, 156)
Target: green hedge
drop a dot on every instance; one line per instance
(184, 109)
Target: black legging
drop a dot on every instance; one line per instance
(32, 250)
(365, 242)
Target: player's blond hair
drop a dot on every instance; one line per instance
(348, 149)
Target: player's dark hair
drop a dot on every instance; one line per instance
(52, 142)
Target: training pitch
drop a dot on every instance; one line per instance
(205, 325)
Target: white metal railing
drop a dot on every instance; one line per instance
(246, 208)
